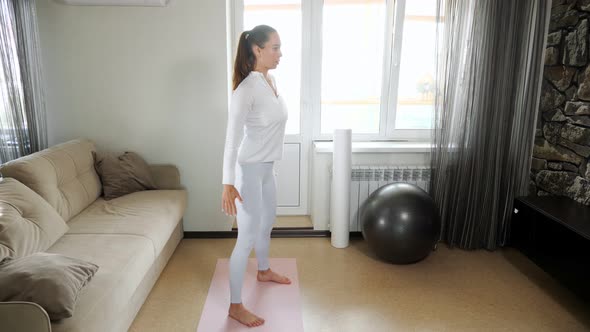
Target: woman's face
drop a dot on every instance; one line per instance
(269, 56)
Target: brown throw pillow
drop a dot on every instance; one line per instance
(122, 175)
(52, 281)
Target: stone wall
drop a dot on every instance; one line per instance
(561, 163)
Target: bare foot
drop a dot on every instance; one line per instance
(238, 312)
(269, 275)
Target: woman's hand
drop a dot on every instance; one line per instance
(228, 203)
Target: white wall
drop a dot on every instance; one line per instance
(146, 79)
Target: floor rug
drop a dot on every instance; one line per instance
(279, 305)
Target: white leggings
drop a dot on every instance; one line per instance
(255, 215)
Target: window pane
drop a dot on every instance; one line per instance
(415, 99)
(352, 65)
(11, 92)
(285, 17)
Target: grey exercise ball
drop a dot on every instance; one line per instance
(400, 223)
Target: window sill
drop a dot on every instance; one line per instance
(377, 147)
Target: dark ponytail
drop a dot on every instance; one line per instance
(245, 59)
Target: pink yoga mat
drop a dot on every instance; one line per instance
(279, 305)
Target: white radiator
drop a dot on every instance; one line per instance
(366, 179)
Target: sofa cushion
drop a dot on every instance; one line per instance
(53, 281)
(123, 174)
(152, 214)
(63, 175)
(28, 224)
(124, 261)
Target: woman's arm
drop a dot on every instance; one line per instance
(240, 104)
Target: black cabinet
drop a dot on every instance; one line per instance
(554, 232)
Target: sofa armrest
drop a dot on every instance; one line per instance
(166, 176)
(20, 316)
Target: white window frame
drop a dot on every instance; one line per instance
(395, 37)
(310, 111)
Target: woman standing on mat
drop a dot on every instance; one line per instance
(254, 139)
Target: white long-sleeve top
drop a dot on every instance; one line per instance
(255, 125)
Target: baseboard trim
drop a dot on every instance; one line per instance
(283, 232)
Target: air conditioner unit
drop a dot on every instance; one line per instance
(153, 3)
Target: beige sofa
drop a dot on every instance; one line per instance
(130, 238)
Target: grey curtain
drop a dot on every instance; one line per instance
(489, 72)
(22, 108)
